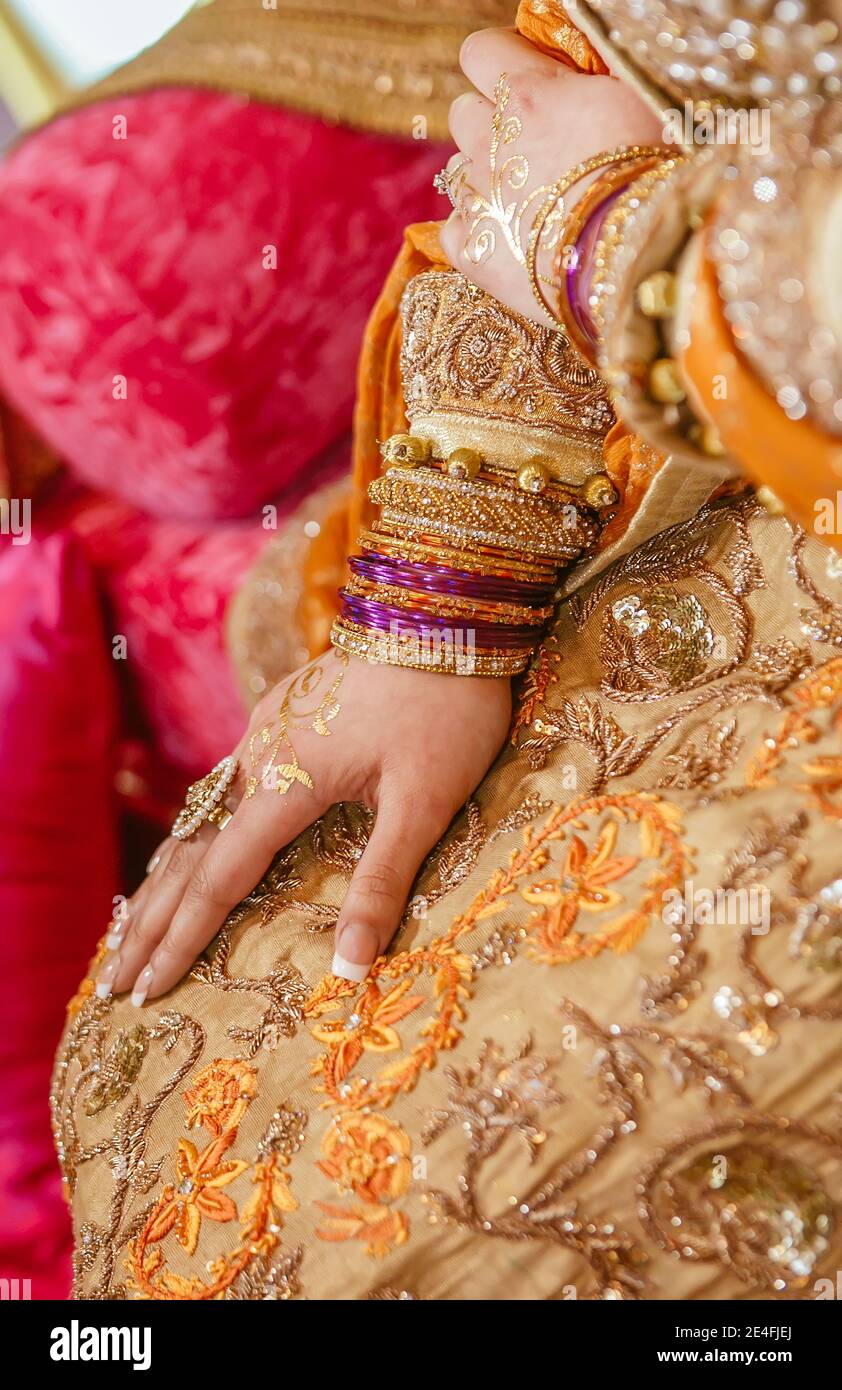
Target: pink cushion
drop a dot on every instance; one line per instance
(58, 869)
(146, 258)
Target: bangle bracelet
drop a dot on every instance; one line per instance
(623, 154)
(450, 654)
(609, 254)
(574, 257)
(459, 573)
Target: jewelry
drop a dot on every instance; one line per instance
(478, 560)
(552, 208)
(446, 653)
(425, 502)
(615, 242)
(203, 801)
(444, 180)
(268, 745)
(574, 257)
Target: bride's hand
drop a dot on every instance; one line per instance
(411, 745)
(565, 117)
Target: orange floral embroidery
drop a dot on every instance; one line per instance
(380, 1228)
(827, 785)
(220, 1095)
(583, 885)
(819, 691)
(218, 1101)
(351, 1151)
(368, 1156)
(197, 1194)
(450, 974)
(370, 1029)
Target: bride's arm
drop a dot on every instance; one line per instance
(498, 486)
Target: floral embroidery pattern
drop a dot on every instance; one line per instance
(222, 1093)
(693, 760)
(369, 1157)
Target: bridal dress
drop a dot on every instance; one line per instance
(601, 1056)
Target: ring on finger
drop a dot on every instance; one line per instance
(204, 801)
(449, 180)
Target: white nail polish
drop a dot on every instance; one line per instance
(142, 985)
(349, 969)
(114, 941)
(106, 977)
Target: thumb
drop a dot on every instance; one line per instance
(376, 897)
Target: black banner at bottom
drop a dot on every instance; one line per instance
(246, 1339)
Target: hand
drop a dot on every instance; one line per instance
(411, 745)
(565, 117)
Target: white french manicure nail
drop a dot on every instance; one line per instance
(114, 939)
(361, 942)
(106, 977)
(349, 969)
(142, 986)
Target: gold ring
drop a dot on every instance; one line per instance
(204, 801)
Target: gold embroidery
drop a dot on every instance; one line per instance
(476, 373)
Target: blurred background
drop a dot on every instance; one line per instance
(49, 48)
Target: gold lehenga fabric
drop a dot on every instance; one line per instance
(545, 1090)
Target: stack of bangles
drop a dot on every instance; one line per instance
(623, 177)
(459, 574)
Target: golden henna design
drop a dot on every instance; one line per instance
(266, 749)
(507, 177)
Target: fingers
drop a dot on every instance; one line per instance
(488, 52)
(469, 120)
(403, 834)
(236, 860)
(148, 914)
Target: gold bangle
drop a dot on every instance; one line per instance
(491, 564)
(607, 270)
(423, 501)
(615, 176)
(622, 153)
(388, 649)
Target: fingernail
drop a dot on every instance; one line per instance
(154, 861)
(106, 977)
(142, 986)
(114, 939)
(360, 949)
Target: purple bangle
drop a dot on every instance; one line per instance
(379, 616)
(580, 270)
(439, 579)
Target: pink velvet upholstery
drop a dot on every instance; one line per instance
(58, 868)
(181, 310)
(166, 586)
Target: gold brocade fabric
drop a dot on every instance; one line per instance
(602, 1057)
(390, 68)
(474, 372)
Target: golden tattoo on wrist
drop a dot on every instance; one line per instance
(274, 760)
